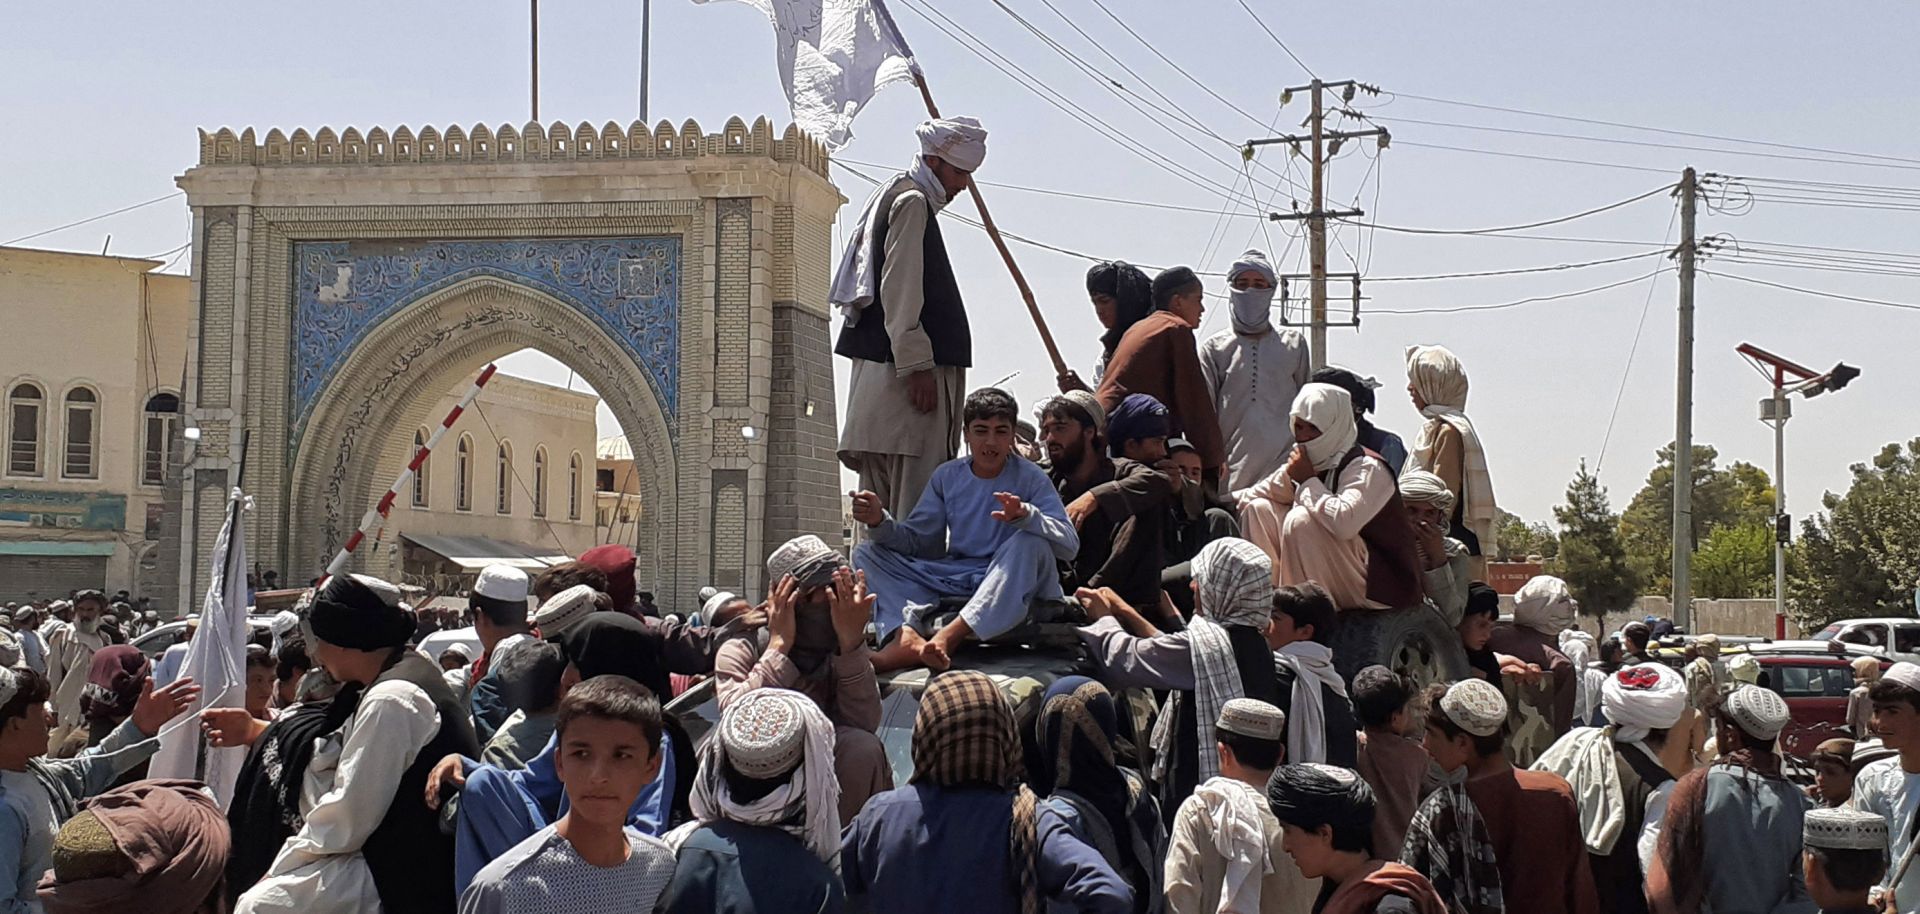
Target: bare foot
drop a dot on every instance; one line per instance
(934, 655)
(903, 652)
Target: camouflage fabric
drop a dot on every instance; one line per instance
(1529, 719)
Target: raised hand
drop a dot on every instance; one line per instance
(226, 727)
(781, 624)
(852, 607)
(867, 508)
(157, 706)
(1299, 468)
(1012, 509)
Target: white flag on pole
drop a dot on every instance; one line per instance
(834, 55)
(217, 660)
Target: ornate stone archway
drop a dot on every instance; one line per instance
(343, 283)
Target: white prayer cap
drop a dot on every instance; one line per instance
(1760, 713)
(1254, 260)
(1253, 718)
(459, 647)
(1904, 673)
(1475, 706)
(1642, 698)
(713, 605)
(504, 583)
(564, 609)
(960, 141)
(1844, 830)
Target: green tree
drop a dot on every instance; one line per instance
(1860, 556)
(1735, 562)
(1740, 494)
(1592, 559)
(1519, 539)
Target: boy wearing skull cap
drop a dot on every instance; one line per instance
(1846, 856)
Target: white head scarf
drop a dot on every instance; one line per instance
(1233, 809)
(1545, 605)
(1329, 409)
(960, 141)
(1235, 581)
(1252, 308)
(1440, 380)
(1642, 698)
(1422, 486)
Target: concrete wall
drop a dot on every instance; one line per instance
(111, 325)
(1721, 617)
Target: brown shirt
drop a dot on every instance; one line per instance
(1122, 545)
(1396, 768)
(846, 691)
(1537, 845)
(1158, 357)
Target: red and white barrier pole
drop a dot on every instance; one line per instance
(379, 511)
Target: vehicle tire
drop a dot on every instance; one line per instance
(1413, 640)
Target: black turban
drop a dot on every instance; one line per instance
(1137, 416)
(1309, 795)
(618, 644)
(1482, 600)
(1355, 386)
(1172, 281)
(1132, 294)
(362, 613)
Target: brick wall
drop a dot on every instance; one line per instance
(803, 484)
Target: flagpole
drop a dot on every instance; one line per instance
(534, 41)
(239, 476)
(993, 231)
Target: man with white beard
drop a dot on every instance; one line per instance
(69, 657)
(1254, 370)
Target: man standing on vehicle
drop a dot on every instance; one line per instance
(1705, 674)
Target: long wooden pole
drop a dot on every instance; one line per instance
(986, 219)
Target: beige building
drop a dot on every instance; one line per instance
(92, 362)
(508, 483)
(616, 491)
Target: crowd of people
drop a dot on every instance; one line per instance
(1203, 520)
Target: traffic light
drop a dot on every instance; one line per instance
(1783, 529)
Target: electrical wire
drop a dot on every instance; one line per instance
(1276, 39)
(1515, 228)
(1516, 131)
(538, 502)
(1072, 195)
(124, 209)
(1524, 301)
(1552, 268)
(1632, 350)
(1155, 50)
(1905, 306)
(1535, 158)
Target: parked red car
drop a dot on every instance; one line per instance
(1815, 686)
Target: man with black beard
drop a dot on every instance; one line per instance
(69, 657)
(1117, 505)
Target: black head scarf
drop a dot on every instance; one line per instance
(1309, 795)
(360, 613)
(611, 643)
(1132, 295)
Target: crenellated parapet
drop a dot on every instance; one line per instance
(506, 143)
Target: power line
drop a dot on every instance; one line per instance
(1072, 195)
(124, 209)
(1515, 228)
(1649, 144)
(1535, 158)
(1524, 301)
(1632, 350)
(1551, 268)
(539, 502)
(1155, 50)
(1663, 130)
(1276, 39)
(1905, 306)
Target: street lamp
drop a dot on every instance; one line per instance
(1788, 378)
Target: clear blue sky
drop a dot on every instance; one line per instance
(102, 103)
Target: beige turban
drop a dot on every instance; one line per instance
(1437, 376)
(960, 141)
(1426, 488)
(1545, 605)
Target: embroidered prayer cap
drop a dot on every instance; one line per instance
(1234, 581)
(714, 601)
(1253, 718)
(1760, 712)
(565, 610)
(964, 733)
(1844, 830)
(764, 733)
(362, 613)
(1903, 674)
(1475, 706)
(808, 558)
(1426, 488)
(1087, 403)
(959, 141)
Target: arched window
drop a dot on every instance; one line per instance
(573, 487)
(25, 405)
(503, 493)
(83, 435)
(463, 475)
(161, 420)
(540, 481)
(420, 481)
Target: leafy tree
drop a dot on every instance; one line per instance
(1860, 556)
(1593, 560)
(1519, 539)
(1735, 562)
(1740, 494)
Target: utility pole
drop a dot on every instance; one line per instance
(534, 39)
(1316, 216)
(1683, 415)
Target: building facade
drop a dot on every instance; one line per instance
(510, 482)
(92, 361)
(343, 281)
(617, 496)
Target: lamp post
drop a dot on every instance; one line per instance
(1788, 378)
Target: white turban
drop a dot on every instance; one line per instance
(1422, 486)
(1254, 260)
(1329, 409)
(1437, 376)
(960, 141)
(1642, 698)
(1545, 605)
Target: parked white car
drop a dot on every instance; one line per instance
(1892, 637)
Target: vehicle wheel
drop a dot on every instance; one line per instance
(1413, 640)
